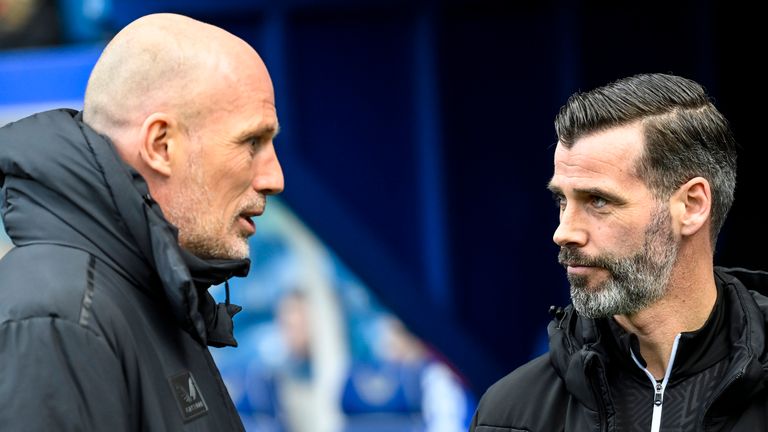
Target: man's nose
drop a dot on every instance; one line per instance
(268, 178)
(571, 230)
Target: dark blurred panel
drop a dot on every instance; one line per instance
(29, 23)
(352, 85)
(619, 39)
(738, 43)
(498, 75)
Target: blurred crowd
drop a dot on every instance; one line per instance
(318, 353)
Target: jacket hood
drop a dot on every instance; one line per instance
(64, 184)
(577, 350)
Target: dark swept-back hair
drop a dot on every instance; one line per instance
(685, 135)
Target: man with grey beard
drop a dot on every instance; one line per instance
(122, 216)
(657, 337)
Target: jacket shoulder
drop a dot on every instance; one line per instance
(530, 398)
(43, 280)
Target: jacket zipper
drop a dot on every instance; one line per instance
(602, 413)
(733, 379)
(659, 387)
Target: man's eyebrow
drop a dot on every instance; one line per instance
(593, 191)
(610, 196)
(601, 193)
(271, 130)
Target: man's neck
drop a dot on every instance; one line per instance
(685, 308)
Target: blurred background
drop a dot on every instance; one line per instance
(409, 264)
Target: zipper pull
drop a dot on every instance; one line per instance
(557, 313)
(657, 398)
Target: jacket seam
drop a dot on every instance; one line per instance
(87, 302)
(58, 318)
(120, 271)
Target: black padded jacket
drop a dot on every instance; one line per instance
(573, 387)
(105, 322)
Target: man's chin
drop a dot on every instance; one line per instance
(241, 250)
(580, 283)
(232, 251)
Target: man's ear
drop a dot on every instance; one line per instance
(693, 202)
(159, 135)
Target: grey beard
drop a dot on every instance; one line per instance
(634, 282)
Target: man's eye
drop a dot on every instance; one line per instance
(255, 144)
(599, 202)
(559, 201)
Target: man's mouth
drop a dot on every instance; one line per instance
(567, 264)
(247, 217)
(246, 220)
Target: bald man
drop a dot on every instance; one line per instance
(122, 216)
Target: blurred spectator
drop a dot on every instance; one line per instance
(294, 379)
(27, 23)
(406, 388)
(306, 370)
(292, 317)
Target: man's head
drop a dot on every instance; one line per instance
(645, 171)
(191, 107)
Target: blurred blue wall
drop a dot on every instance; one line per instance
(417, 136)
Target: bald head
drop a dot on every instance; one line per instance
(163, 63)
(191, 107)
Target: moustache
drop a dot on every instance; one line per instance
(573, 257)
(255, 204)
